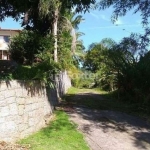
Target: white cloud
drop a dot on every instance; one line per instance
(104, 17)
(94, 15)
(118, 22)
(112, 26)
(97, 16)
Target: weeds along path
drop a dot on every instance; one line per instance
(106, 129)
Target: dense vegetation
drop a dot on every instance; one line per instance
(121, 68)
(50, 41)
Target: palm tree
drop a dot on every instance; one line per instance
(71, 23)
(51, 8)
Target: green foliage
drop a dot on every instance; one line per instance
(69, 46)
(64, 50)
(27, 45)
(92, 62)
(97, 60)
(46, 71)
(82, 79)
(39, 14)
(24, 73)
(33, 52)
(122, 7)
(122, 69)
(43, 71)
(36, 50)
(7, 76)
(105, 79)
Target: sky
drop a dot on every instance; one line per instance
(98, 25)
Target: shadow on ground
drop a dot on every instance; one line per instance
(108, 122)
(95, 100)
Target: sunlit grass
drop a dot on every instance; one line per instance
(61, 134)
(74, 90)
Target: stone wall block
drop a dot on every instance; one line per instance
(10, 100)
(11, 126)
(31, 122)
(9, 93)
(3, 128)
(2, 120)
(25, 92)
(20, 100)
(2, 95)
(22, 127)
(28, 108)
(21, 109)
(3, 86)
(33, 114)
(13, 109)
(4, 111)
(11, 117)
(25, 119)
(27, 132)
(30, 100)
(35, 106)
(19, 92)
(3, 103)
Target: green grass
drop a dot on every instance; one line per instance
(61, 134)
(74, 90)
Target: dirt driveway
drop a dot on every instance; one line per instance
(109, 130)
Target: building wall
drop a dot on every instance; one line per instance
(9, 32)
(24, 109)
(4, 44)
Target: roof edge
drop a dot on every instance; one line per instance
(18, 30)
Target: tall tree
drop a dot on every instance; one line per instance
(51, 9)
(41, 14)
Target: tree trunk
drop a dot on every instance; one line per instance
(55, 29)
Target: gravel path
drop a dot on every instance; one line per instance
(109, 130)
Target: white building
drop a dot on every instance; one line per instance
(5, 38)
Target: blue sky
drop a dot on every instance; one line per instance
(98, 25)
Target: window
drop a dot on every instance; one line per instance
(6, 38)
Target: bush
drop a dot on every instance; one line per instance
(25, 46)
(40, 71)
(82, 82)
(24, 73)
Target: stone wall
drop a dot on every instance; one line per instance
(63, 83)
(24, 108)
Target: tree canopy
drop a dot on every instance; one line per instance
(121, 7)
(29, 11)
